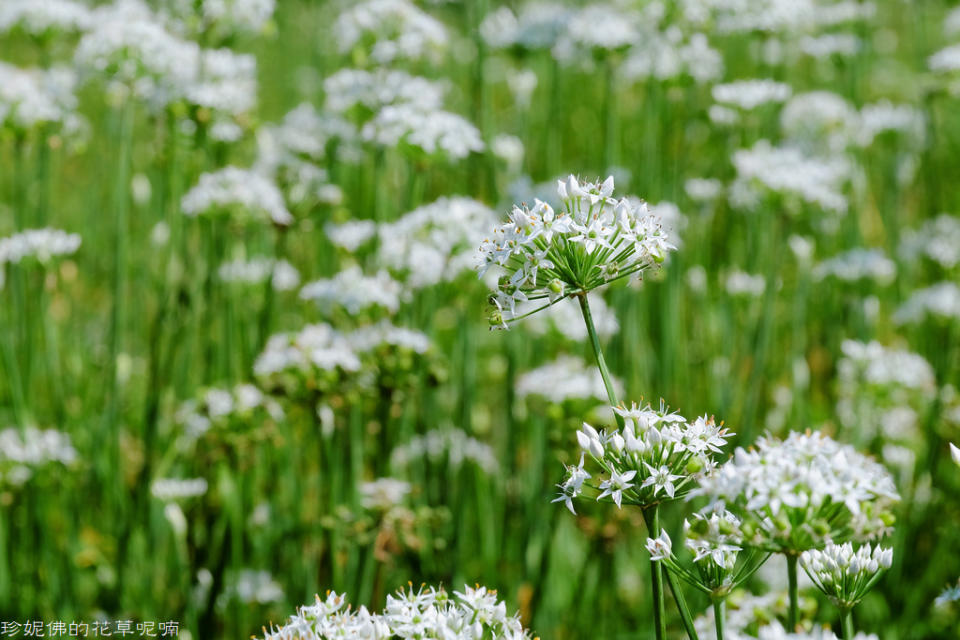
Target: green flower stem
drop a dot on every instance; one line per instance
(792, 582)
(601, 363)
(846, 623)
(652, 517)
(685, 616)
(718, 611)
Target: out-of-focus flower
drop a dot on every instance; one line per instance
(241, 195)
(390, 30)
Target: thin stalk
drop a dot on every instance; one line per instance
(652, 517)
(792, 585)
(598, 353)
(682, 607)
(846, 622)
(718, 611)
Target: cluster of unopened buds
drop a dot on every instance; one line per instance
(843, 574)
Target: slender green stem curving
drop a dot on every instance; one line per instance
(792, 585)
(601, 363)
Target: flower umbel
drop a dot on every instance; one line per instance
(550, 254)
(658, 456)
(844, 575)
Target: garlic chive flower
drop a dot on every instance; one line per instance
(715, 540)
(844, 575)
(40, 245)
(426, 613)
(803, 492)
(240, 195)
(550, 254)
(658, 456)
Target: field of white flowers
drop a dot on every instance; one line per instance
(480, 319)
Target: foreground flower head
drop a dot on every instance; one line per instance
(715, 540)
(426, 613)
(656, 457)
(843, 574)
(594, 240)
(803, 492)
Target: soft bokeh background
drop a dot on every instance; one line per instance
(814, 213)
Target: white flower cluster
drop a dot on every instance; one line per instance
(371, 337)
(354, 291)
(884, 391)
(283, 276)
(435, 242)
(304, 131)
(858, 264)
(250, 586)
(391, 30)
(428, 613)
(42, 18)
(352, 234)
(24, 451)
(597, 28)
(941, 300)
(670, 53)
(41, 245)
(828, 45)
(383, 493)
(594, 240)
(537, 26)
(314, 351)
(947, 60)
(319, 358)
(232, 17)
(881, 366)
(350, 89)
(882, 117)
(741, 283)
(843, 574)
(750, 94)
(432, 131)
(802, 492)
(220, 408)
(224, 82)
(937, 240)
(566, 378)
(130, 44)
(33, 97)
(656, 457)
(170, 489)
(394, 107)
(819, 121)
(240, 194)
(818, 181)
(715, 541)
(453, 445)
(773, 16)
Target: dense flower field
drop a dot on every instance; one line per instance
(479, 319)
